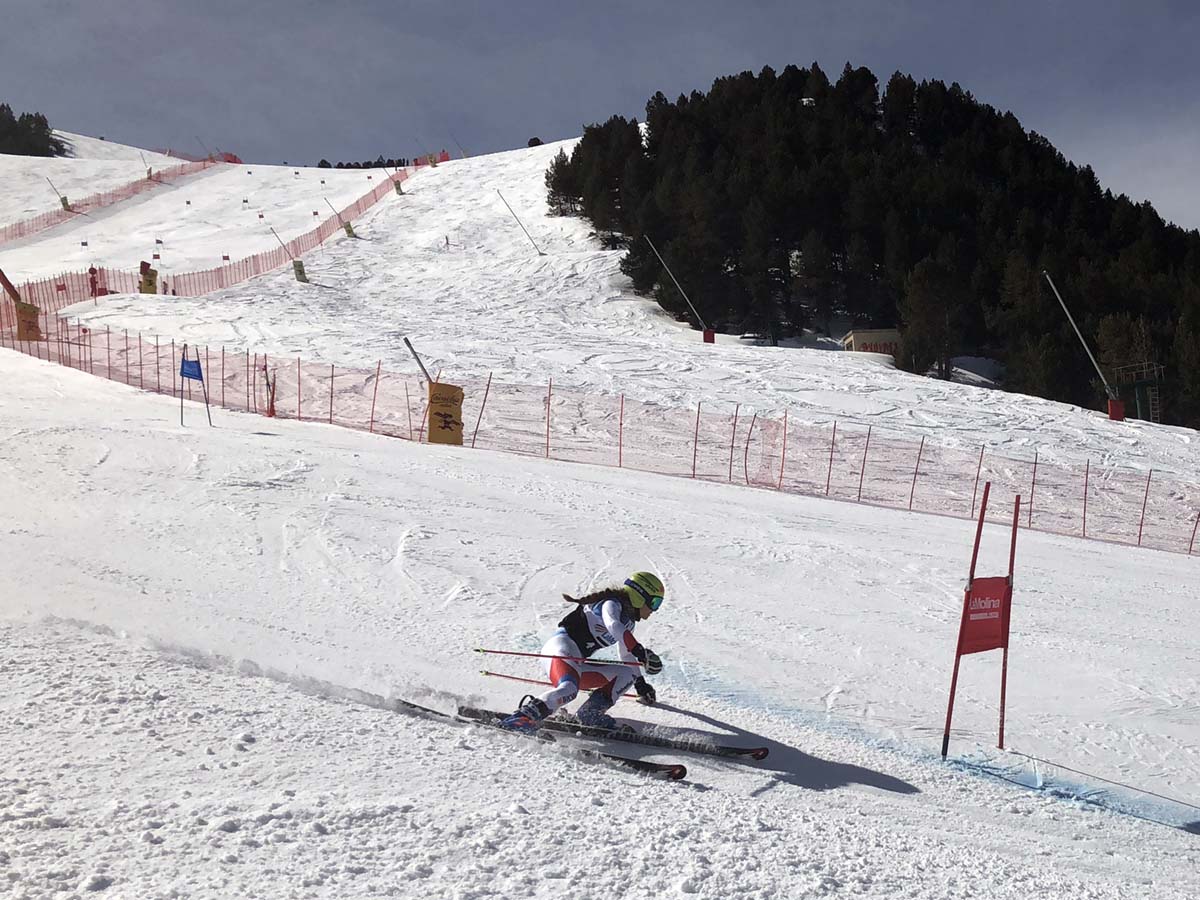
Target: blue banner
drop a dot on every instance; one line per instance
(190, 368)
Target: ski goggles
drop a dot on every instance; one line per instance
(655, 602)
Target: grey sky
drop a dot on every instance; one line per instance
(1115, 85)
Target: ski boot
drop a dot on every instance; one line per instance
(594, 712)
(528, 715)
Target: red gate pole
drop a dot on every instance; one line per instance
(1012, 556)
(732, 438)
(621, 436)
(746, 455)
(863, 470)
(479, 418)
(783, 459)
(108, 349)
(963, 619)
(975, 489)
(1032, 488)
(331, 393)
(1146, 497)
(832, 442)
(696, 439)
(375, 393)
(916, 469)
(1192, 542)
(1086, 471)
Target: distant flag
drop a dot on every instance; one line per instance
(158, 240)
(83, 243)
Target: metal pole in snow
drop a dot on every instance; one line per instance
(732, 439)
(549, 390)
(696, 439)
(829, 473)
(1086, 471)
(514, 215)
(621, 435)
(975, 489)
(783, 458)
(703, 326)
(863, 471)
(916, 469)
(1112, 395)
(746, 454)
(1032, 488)
(1144, 499)
(375, 393)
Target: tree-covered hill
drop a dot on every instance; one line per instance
(27, 135)
(784, 200)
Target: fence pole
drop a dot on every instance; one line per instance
(375, 393)
(549, 390)
(829, 473)
(732, 438)
(1086, 471)
(487, 389)
(408, 409)
(222, 375)
(108, 349)
(127, 356)
(975, 489)
(158, 368)
(173, 370)
(1193, 540)
(141, 365)
(297, 389)
(621, 435)
(863, 470)
(783, 458)
(746, 455)
(696, 439)
(331, 393)
(1032, 488)
(916, 469)
(246, 354)
(1146, 497)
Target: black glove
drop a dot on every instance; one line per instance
(645, 691)
(649, 659)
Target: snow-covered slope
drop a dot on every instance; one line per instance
(339, 562)
(198, 219)
(205, 713)
(447, 265)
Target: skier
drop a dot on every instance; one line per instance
(601, 619)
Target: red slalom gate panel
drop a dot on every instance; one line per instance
(986, 614)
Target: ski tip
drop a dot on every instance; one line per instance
(759, 753)
(677, 772)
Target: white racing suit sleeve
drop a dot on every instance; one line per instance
(621, 631)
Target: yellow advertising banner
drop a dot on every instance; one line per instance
(445, 414)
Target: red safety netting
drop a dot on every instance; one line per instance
(45, 220)
(715, 442)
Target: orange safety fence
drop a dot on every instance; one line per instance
(45, 220)
(718, 442)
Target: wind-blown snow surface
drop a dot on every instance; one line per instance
(260, 576)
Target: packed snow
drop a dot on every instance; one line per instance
(207, 626)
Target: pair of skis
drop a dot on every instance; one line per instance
(572, 727)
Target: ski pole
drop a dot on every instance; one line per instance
(610, 662)
(535, 681)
